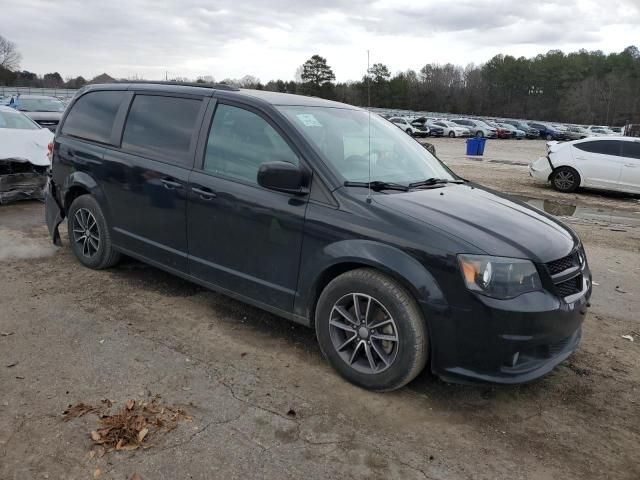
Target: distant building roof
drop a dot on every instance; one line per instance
(103, 78)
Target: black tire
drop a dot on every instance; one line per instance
(565, 179)
(479, 134)
(408, 130)
(549, 137)
(92, 253)
(452, 134)
(405, 356)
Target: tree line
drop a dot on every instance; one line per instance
(579, 87)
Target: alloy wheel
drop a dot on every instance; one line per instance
(364, 333)
(85, 232)
(564, 180)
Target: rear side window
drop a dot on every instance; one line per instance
(603, 147)
(240, 141)
(92, 116)
(631, 149)
(161, 128)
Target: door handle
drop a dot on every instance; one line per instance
(205, 193)
(170, 184)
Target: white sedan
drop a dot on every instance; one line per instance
(608, 163)
(453, 129)
(23, 156)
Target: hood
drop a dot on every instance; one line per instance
(44, 115)
(29, 145)
(490, 221)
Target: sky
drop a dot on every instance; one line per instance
(270, 39)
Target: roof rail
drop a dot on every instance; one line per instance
(215, 86)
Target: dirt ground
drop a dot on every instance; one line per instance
(263, 402)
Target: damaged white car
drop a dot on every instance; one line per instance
(24, 156)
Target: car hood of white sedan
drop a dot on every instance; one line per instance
(25, 145)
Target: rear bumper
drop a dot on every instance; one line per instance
(507, 341)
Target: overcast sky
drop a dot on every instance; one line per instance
(270, 39)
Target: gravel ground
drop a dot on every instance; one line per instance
(263, 402)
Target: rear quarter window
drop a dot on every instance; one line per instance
(602, 147)
(631, 149)
(92, 116)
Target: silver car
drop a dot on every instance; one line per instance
(44, 110)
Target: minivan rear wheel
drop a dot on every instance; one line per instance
(371, 330)
(565, 179)
(89, 235)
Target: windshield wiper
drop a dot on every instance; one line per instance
(377, 185)
(432, 181)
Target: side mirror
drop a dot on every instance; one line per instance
(283, 177)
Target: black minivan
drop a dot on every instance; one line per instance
(327, 215)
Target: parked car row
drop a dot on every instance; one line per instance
(498, 128)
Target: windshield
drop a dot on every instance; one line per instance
(342, 138)
(40, 105)
(17, 120)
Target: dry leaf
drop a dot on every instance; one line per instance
(142, 433)
(95, 436)
(78, 410)
(131, 404)
(97, 473)
(12, 364)
(135, 476)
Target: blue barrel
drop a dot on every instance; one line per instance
(481, 143)
(472, 146)
(475, 146)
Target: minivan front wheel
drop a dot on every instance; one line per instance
(371, 330)
(89, 235)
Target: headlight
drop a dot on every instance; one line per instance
(499, 277)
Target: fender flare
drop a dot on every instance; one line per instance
(87, 182)
(399, 265)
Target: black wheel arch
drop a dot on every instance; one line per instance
(398, 265)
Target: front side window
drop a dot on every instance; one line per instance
(161, 128)
(92, 116)
(16, 120)
(240, 141)
(342, 138)
(602, 147)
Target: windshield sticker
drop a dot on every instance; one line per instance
(308, 120)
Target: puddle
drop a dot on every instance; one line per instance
(610, 216)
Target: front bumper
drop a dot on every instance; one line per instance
(507, 341)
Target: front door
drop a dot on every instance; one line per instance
(242, 237)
